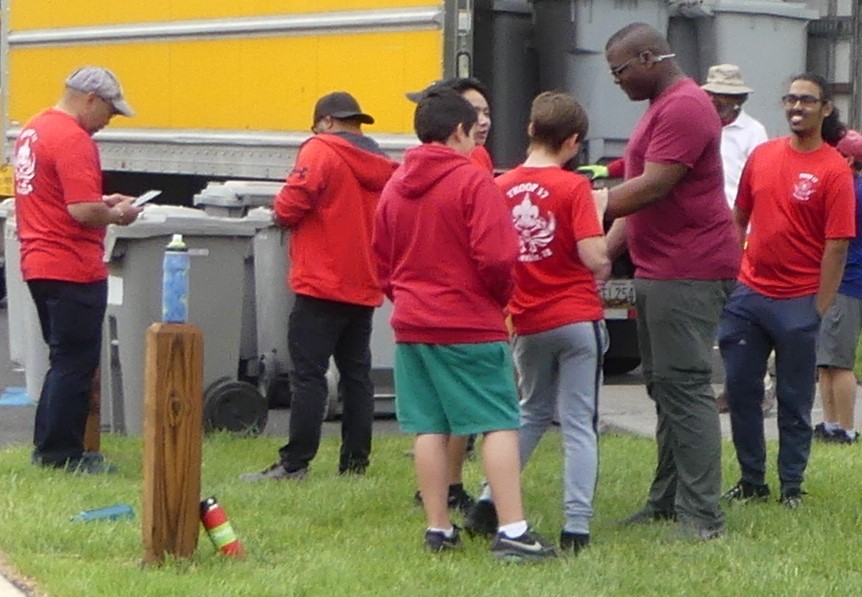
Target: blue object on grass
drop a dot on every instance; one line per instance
(114, 512)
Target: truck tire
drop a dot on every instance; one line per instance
(621, 365)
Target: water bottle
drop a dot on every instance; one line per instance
(114, 512)
(219, 529)
(175, 281)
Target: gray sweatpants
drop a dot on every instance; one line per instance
(560, 371)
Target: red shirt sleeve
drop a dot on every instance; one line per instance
(617, 168)
(744, 199)
(304, 183)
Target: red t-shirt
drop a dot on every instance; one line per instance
(56, 165)
(796, 201)
(552, 210)
(689, 234)
(482, 158)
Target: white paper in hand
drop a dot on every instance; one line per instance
(145, 197)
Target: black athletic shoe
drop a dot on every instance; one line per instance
(791, 499)
(437, 541)
(573, 543)
(274, 472)
(840, 436)
(744, 492)
(481, 520)
(821, 433)
(529, 547)
(458, 499)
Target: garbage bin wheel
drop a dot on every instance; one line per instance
(235, 406)
(278, 393)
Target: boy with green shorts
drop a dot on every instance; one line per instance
(445, 248)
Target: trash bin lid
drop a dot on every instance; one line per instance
(238, 193)
(166, 220)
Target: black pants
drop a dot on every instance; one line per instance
(71, 316)
(320, 329)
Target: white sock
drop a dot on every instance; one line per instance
(514, 530)
(829, 426)
(448, 533)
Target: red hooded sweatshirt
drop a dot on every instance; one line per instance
(445, 249)
(328, 202)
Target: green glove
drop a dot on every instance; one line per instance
(593, 171)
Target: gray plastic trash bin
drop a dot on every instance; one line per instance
(266, 351)
(218, 248)
(26, 346)
(267, 302)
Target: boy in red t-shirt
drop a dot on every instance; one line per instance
(796, 194)
(557, 314)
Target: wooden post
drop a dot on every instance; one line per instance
(173, 422)
(93, 430)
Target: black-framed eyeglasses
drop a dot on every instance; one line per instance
(792, 99)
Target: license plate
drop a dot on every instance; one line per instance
(619, 294)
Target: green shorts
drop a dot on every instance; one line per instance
(457, 389)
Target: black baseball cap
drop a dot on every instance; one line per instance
(342, 106)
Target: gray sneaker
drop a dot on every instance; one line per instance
(274, 472)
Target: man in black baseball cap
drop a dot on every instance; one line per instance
(341, 106)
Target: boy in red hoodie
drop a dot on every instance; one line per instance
(445, 249)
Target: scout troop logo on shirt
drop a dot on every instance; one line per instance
(805, 186)
(25, 163)
(534, 231)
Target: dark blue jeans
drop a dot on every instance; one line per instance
(71, 316)
(751, 326)
(320, 329)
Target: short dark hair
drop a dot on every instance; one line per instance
(832, 129)
(555, 117)
(462, 84)
(439, 113)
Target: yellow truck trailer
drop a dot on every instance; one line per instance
(223, 88)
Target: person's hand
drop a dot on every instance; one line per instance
(593, 171)
(600, 198)
(114, 199)
(126, 213)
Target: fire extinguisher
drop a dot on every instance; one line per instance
(219, 529)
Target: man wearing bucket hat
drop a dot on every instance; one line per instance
(740, 133)
(328, 203)
(62, 215)
(839, 330)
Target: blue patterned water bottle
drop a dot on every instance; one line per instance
(175, 282)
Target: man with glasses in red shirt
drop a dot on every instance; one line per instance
(796, 201)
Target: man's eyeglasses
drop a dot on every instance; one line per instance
(616, 71)
(806, 100)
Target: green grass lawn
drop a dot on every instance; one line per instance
(335, 536)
